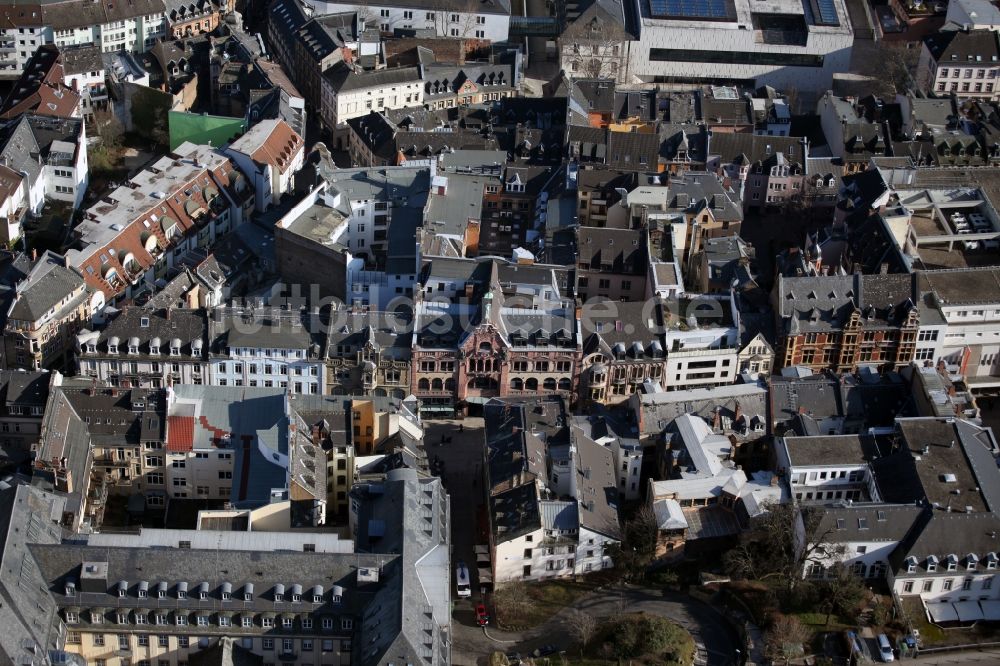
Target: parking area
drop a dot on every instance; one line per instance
(458, 444)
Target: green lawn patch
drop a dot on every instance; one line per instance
(817, 621)
(518, 607)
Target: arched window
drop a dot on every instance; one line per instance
(565, 384)
(531, 384)
(517, 384)
(549, 384)
(423, 384)
(449, 384)
(437, 384)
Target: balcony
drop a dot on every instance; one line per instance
(112, 461)
(703, 351)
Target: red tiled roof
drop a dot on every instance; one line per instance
(180, 433)
(130, 239)
(280, 147)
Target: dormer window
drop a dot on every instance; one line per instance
(91, 348)
(279, 592)
(911, 564)
(991, 561)
(971, 560)
(952, 563)
(932, 563)
(72, 617)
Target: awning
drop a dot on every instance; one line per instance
(477, 400)
(601, 151)
(968, 611)
(210, 193)
(482, 549)
(485, 575)
(167, 224)
(991, 609)
(942, 612)
(192, 207)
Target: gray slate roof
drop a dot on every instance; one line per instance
(49, 282)
(27, 614)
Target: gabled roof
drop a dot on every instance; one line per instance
(963, 48)
(27, 614)
(270, 142)
(41, 88)
(882, 523)
(343, 78)
(47, 286)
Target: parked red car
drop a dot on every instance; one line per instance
(482, 617)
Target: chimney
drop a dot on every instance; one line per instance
(802, 409)
(191, 297)
(716, 418)
(883, 268)
(167, 313)
(34, 254)
(737, 412)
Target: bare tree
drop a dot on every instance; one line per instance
(582, 627)
(108, 128)
(511, 601)
(366, 16)
(892, 67)
(783, 641)
(466, 23)
(773, 547)
(594, 49)
(843, 593)
(638, 546)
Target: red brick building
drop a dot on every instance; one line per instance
(841, 321)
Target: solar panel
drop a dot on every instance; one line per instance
(825, 12)
(709, 10)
